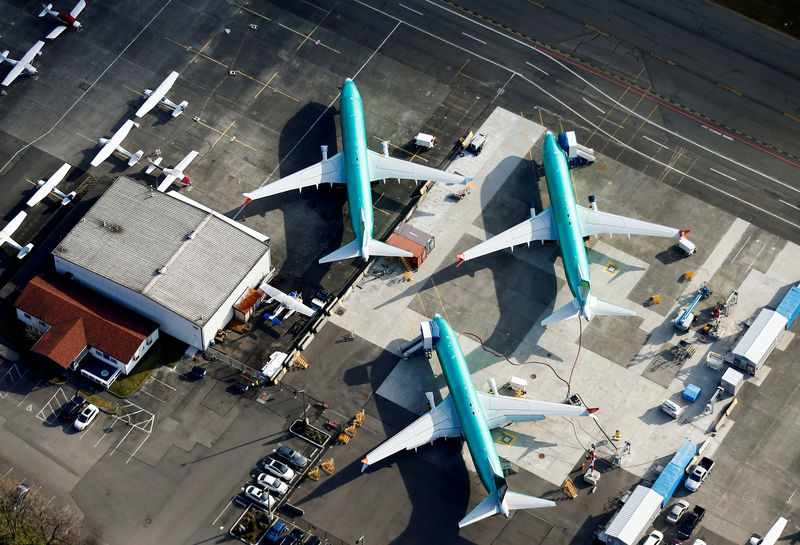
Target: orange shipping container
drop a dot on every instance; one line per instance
(409, 245)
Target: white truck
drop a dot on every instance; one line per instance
(699, 474)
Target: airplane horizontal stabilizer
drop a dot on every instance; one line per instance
(605, 308)
(379, 248)
(486, 508)
(573, 308)
(347, 251)
(515, 500)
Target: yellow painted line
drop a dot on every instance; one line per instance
(138, 92)
(306, 37)
(248, 10)
(662, 59)
(444, 308)
(619, 126)
(474, 102)
(637, 130)
(454, 97)
(537, 4)
(315, 6)
(459, 71)
(595, 29)
(455, 107)
(424, 312)
(31, 182)
(266, 85)
(463, 75)
(506, 438)
(612, 268)
(729, 89)
(87, 138)
(413, 155)
(790, 116)
(221, 133)
(194, 59)
(541, 120)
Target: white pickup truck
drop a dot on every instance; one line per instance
(699, 474)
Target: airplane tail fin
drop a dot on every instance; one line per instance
(4, 55)
(24, 251)
(512, 501)
(47, 8)
(515, 500)
(153, 165)
(486, 508)
(179, 110)
(573, 308)
(595, 307)
(135, 159)
(374, 247)
(605, 308)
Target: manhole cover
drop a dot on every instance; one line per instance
(533, 376)
(541, 456)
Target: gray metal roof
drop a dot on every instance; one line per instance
(131, 233)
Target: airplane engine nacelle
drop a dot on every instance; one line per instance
(593, 202)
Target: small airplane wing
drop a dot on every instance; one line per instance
(186, 160)
(165, 183)
(55, 33)
(48, 186)
(775, 532)
(12, 225)
(286, 300)
(594, 222)
(325, 172)
(382, 167)
(22, 63)
(540, 227)
(112, 143)
(437, 423)
(157, 95)
(501, 410)
(78, 8)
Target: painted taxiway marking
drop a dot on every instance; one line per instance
(592, 105)
(537, 68)
(474, 38)
(242, 7)
(413, 155)
(757, 256)
(789, 204)
(722, 174)
(409, 9)
(307, 37)
(742, 248)
(654, 142)
(6, 474)
(222, 133)
(162, 382)
(222, 513)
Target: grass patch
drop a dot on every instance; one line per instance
(166, 351)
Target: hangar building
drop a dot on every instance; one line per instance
(166, 257)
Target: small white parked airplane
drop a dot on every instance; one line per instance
(154, 97)
(49, 186)
(8, 230)
(292, 302)
(110, 145)
(24, 64)
(172, 173)
(64, 19)
(772, 535)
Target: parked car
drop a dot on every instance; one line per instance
(72, 408)
(295, 537)
(275, 533)
(655, 538)
(292, 456)
(88, 414)
(699, 475)
(699, 542)
(272, 484)
(677, 511)
(259, 496)
(313, 540)
(277, 468)
(690, 522)
(19, 495)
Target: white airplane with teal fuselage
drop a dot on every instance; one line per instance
(470, 414)
(568, 223)
(356, 166)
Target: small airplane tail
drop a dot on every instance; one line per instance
(179, 110)
(24, 251)
(135, 159)
(153, 165)
(4, 55)
(594, 307)
(374, 247)
(68, 198)
(46, 9)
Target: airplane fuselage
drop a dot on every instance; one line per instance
(565, 218)
(468, 409)
(356, 164)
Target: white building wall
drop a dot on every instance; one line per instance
(32, 320)
(168, 321)
(140, 352)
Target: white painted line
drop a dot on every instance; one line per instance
(593, 106)
(164, 383)
(222, 513)
(146, 437)
(474, 38)
(29, 393)
(726, 137)
(714, 132)
(792, 496)
(608, 122)
(110, 430)
(503, 88)
(409, 9)
(130, 429)
(742, 248)
(756, 257)
(51, 500)
(151, 395)
(654, 142)
(3, 478)
(789, 204)
(722, 174)
(537, 68)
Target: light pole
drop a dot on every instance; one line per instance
(360, 541)
(305, 417)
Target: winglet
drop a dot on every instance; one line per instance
(461, 259)
(683, 232)
(593, 410)
(365, 462)
(247, 201)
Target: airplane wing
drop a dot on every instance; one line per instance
(501, 410)
(48, 186)
(286, 300)
(775, 532)
(166, 182)
(55, 33)
(112, 143)
(13, 225)
(22, 63)
(540, 227)
(157, 95)
(382, 167)
(186, 160)
(78, 8)
(437, 423)
(594, 222)
(325, 172)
